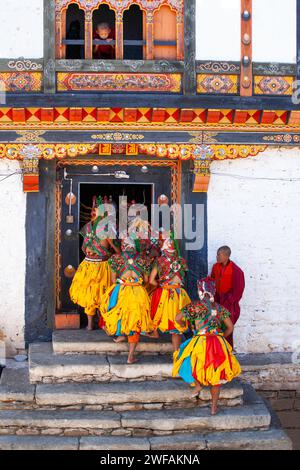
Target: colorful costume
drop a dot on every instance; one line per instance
(207, 357)
(170, 298)
(230, 285)
(126, 305)
(93, 276)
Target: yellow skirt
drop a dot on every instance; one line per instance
(89, 285)
(126, 310)
(166, 303)
(207, 359)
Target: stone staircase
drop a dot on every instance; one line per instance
(79, 393)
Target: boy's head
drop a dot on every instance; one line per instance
(103, 30)
(223, 254)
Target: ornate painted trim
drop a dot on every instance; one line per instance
(77, 81)
(20, 82)
(21, 65)
(275, 69)
(169, 151)
(121, 5)
(135, 66)
(216, 67)
(147, 118)
(217, 84)
(271, 85)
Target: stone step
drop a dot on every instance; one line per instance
(46, 367)
(273, 439)
(38, 443)
(136, 423)
(15, 387)
(133, 395)
(16, 392)
(97, 342)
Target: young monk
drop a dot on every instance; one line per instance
(126, 306)
(93, 278)
(104, 51)
(170, 297)
(230, 284)
(206, 359)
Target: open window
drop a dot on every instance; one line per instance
(104, 33)
(74, 37)
(133, 31)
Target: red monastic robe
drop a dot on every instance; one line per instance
(104, 51)
(230, 284)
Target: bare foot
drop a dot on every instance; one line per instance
(196, 392)
(214, 410)
(119, 339)
(131, 360)
(154, 335)
(89, 328)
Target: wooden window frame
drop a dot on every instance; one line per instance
(61, 7)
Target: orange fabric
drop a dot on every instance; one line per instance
(223, 276)
(134, 338)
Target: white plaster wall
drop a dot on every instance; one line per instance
(21, 32)
(12, 258)
(218, 29)
(274, 31)
(260, 221)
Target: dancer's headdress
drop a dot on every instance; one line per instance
(206, 286)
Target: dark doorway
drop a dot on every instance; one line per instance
(135, 193)
(84, 185)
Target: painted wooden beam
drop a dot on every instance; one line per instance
(246, 48)
(135, 100)
(49, 46)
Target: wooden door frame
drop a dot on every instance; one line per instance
(72, 320)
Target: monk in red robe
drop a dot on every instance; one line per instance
(104, 51)
(230, 284)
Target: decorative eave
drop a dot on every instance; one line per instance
(201, 155)
(93, 118)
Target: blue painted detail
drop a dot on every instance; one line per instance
(114, 297)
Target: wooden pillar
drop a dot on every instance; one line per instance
(190, 82)
(63, 33)
(119, 35)
(246, 48)
(149, 36)
(49, 46)
(180, 35)
(58, 36)
(88, 28)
